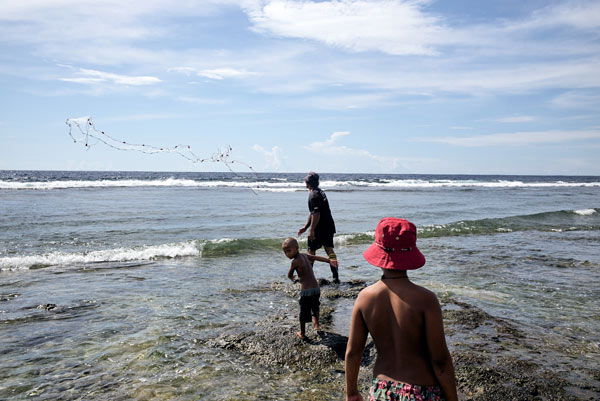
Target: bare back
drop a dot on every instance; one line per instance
(303, 267)
(395, 312)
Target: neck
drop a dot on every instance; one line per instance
(394, 275)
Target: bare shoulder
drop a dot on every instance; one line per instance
(369, 293)
(427, 297)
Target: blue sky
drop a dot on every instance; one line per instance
(473, 87)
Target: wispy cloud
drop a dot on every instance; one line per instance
(574, 13)
(143, 117)
(200, 100)
(214, 73)
(94, 77)
(577, 99)
(272, 157)
(333, 138)
(517, 138)
(330, 148)
(516, 119)
(446, 56)
(89, 20)
(353, 101)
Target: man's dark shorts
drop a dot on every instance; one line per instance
(309, 304)
(321, 239)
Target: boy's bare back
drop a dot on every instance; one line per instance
(304, 269)
(402, 318)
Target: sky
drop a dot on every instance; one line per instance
(348, 86)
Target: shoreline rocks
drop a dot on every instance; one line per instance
(493, 359)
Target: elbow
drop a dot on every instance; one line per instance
(443, 365)
(353, 353)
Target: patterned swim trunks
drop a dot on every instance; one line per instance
(387, 390)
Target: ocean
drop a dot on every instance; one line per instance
(109, 281)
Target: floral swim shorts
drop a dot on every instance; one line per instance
(387, 390)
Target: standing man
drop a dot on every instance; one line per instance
(320, 224)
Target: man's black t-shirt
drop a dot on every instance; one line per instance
(317, 203)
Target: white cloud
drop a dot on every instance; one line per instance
(516, 119)
(575, 99)
(499, 56)
(142, 117)
(328, 147)
(394, 27)
(517, 138)
(450, 76)
(354, 101)
(214, 73)
(41, 21)
(405, 27)
(93, 77)
(200, 100)
(272, 157)
(334, 137)
(578, 13)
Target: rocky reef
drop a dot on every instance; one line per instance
(493, 359)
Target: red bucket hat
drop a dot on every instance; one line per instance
(395, 246)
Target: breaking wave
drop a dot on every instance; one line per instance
(556, 221)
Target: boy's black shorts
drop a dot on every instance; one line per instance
(309, 306)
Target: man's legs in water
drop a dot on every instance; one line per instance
(334, 270)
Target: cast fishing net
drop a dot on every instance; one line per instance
(82, 130)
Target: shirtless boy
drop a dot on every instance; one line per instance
(405, 322)
(309, 287)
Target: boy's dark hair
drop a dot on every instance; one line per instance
(312, 179)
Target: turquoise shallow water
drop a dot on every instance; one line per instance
(108, 281)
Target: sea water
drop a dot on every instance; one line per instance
(109, 281)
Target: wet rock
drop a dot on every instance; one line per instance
(47, 307)
(277, 345)
(7, 297)
(486, 371)
(346, 289)
(493, 359)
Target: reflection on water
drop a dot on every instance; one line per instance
(76, 325)
(133, 331)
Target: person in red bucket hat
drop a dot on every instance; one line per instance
(395, 246)
(405, 322)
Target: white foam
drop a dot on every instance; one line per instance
(343, 239)
(272, 189)
(148, 252)
(585, 212)
(281, 185)
(167, 182)
(484, 295)
(447, 183)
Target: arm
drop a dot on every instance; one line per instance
(314, 220)
(438, 350)
(291, 272)
(354, 352)
(332, 262)
(303, 229)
